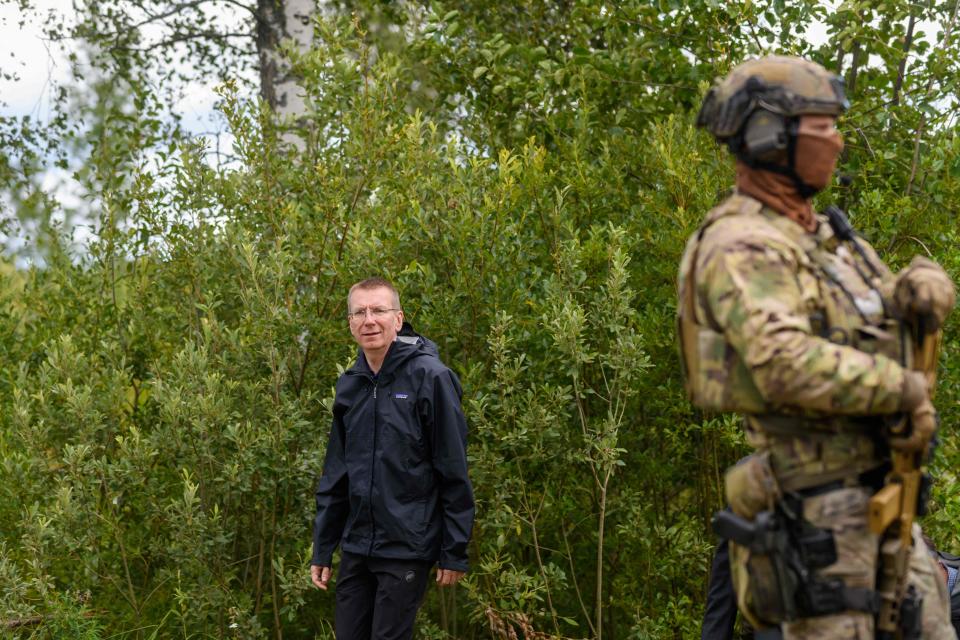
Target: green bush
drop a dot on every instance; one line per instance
(166, 402)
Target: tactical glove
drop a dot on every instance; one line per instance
(923, 417)
(924, 291)
(923, 426)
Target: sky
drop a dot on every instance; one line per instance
(41, 65)
(24, 52)
(38, 66)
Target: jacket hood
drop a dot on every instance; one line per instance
(408, 335)
(409, 344)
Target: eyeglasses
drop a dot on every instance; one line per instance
(377, 312)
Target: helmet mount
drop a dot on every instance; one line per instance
(767, 140)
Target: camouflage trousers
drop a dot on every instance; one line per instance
(844, 512)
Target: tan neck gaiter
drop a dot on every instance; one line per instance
(777, 192)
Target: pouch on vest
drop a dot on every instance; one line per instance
(750, 486)
(714, 376)
(719, 381)
(765, 586)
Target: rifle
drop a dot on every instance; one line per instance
(892, 511)
(893, 508)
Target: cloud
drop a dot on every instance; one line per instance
(38, 63)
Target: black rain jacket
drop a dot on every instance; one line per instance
(395, 481)
(953, 562)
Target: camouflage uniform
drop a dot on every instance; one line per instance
(795, 334)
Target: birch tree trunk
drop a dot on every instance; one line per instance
(280, 20)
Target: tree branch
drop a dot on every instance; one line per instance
(902, 68)
(945, 42)
(153, 17)
(854, 68)
(183, 37)
(573, 572)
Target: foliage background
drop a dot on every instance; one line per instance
(527, 176)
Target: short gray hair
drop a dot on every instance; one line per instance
(375, 282)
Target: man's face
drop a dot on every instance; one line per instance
(373, 329)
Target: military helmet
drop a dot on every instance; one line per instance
(751, 109)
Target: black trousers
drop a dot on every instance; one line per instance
(720, 612)
(377, 598)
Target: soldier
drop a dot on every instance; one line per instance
(806, 333)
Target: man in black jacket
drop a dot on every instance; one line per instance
(395, 495)
(950, 566)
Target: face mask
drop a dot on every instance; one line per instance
(816, 154)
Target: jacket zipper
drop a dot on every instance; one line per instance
(373, 457)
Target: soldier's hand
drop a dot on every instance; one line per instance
(924, 422)
(448, 577)
(923, 426)
(925, 292)
(320, 576)
(915, 402)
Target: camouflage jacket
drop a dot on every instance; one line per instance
(791, 329)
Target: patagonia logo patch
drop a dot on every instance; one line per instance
(400, 396)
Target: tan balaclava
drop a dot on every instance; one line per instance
(818, 146)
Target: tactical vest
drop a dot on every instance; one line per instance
(840, 292)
